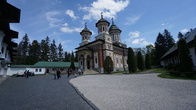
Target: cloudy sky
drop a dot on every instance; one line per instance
(139, 20)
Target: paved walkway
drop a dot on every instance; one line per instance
(40, 93)
(137, 92)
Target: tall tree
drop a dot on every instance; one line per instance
(180, 35)
(151, 51)
(160, 47)
(67, 57)
(53, 51)
(184, 56)
(72, 56)
(140, 61)
(147, 61)
(169, 41)
(45, 49)
(34, 52)
(108, 65)
(131, 60)
(195, 44)
(60, 52)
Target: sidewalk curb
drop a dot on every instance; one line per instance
(84, 98)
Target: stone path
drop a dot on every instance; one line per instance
(40, 93)
(137, 92)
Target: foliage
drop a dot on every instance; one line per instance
(184, 56)
(131, 60)
(163, 43)
(60, 52)
(180, 35)
(108, 65)
(72, 66)
(195, 44)
(29, 53)
(53, 51)
(147, 61)
(140, 61)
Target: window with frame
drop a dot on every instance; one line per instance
(40, 70)
(36, 70)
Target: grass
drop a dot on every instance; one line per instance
(167, 75)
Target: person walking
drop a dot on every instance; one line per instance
(55, 75)
(58, 74)
(79, 71)
(68, 72)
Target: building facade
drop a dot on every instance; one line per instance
(91, 54)
(171, 56)
(8, 14)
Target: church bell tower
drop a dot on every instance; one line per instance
(86, 36)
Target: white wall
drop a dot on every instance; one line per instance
(12, 71)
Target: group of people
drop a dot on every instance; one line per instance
(57, 75)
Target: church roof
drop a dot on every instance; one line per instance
(102, 20)
(85, 30)
(114, 27)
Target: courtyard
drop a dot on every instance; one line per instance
(137, 92)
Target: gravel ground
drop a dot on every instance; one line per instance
(40, 93)
(137, 92)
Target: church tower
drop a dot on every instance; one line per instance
(86, 36)
(114, 32)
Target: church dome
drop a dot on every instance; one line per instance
(102, 20)
(113, 27)
(86, 30)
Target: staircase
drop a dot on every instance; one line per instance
(90, 72)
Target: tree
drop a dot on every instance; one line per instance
(72, 56)
(147, 61)
(60, 52)
(53, 51)
(131, 60)
(34, 52)
(184, 56)
(169, 41)
(72, 66)
(195, 43)
(67, 57)
(108, 65)
(180, 35)
(45, 49)
(140, 61)
(160, 47)
(151, 51)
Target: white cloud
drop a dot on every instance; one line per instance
(184, 30)
(67, 29)
(50, 17)
(134, 34)
(141, 41)
(166, 25)
(71, 14)
(132, 20)
(109, 8)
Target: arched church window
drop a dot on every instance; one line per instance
(103, 28)
(2, 49)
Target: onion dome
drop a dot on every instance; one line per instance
(114, 27)
(85, 30)
(102, 20)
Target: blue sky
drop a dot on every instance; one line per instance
(139, 20)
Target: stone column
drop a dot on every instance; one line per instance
(85, 63)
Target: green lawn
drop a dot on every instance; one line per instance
(167, 75)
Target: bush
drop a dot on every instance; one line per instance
(175, 73)
(170, 66)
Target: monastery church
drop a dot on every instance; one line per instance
(91, 54)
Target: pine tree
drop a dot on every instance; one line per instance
(53, 51)
(184, 56)
(67, 57)
(147, 61)
(169, 41)
(72, 66)
(60, 52)
(140, 61)
(160, 47)
(34, 52)
(108, 65)
(45, 49)
(195, 44)
(180, 35)
(131, 60)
